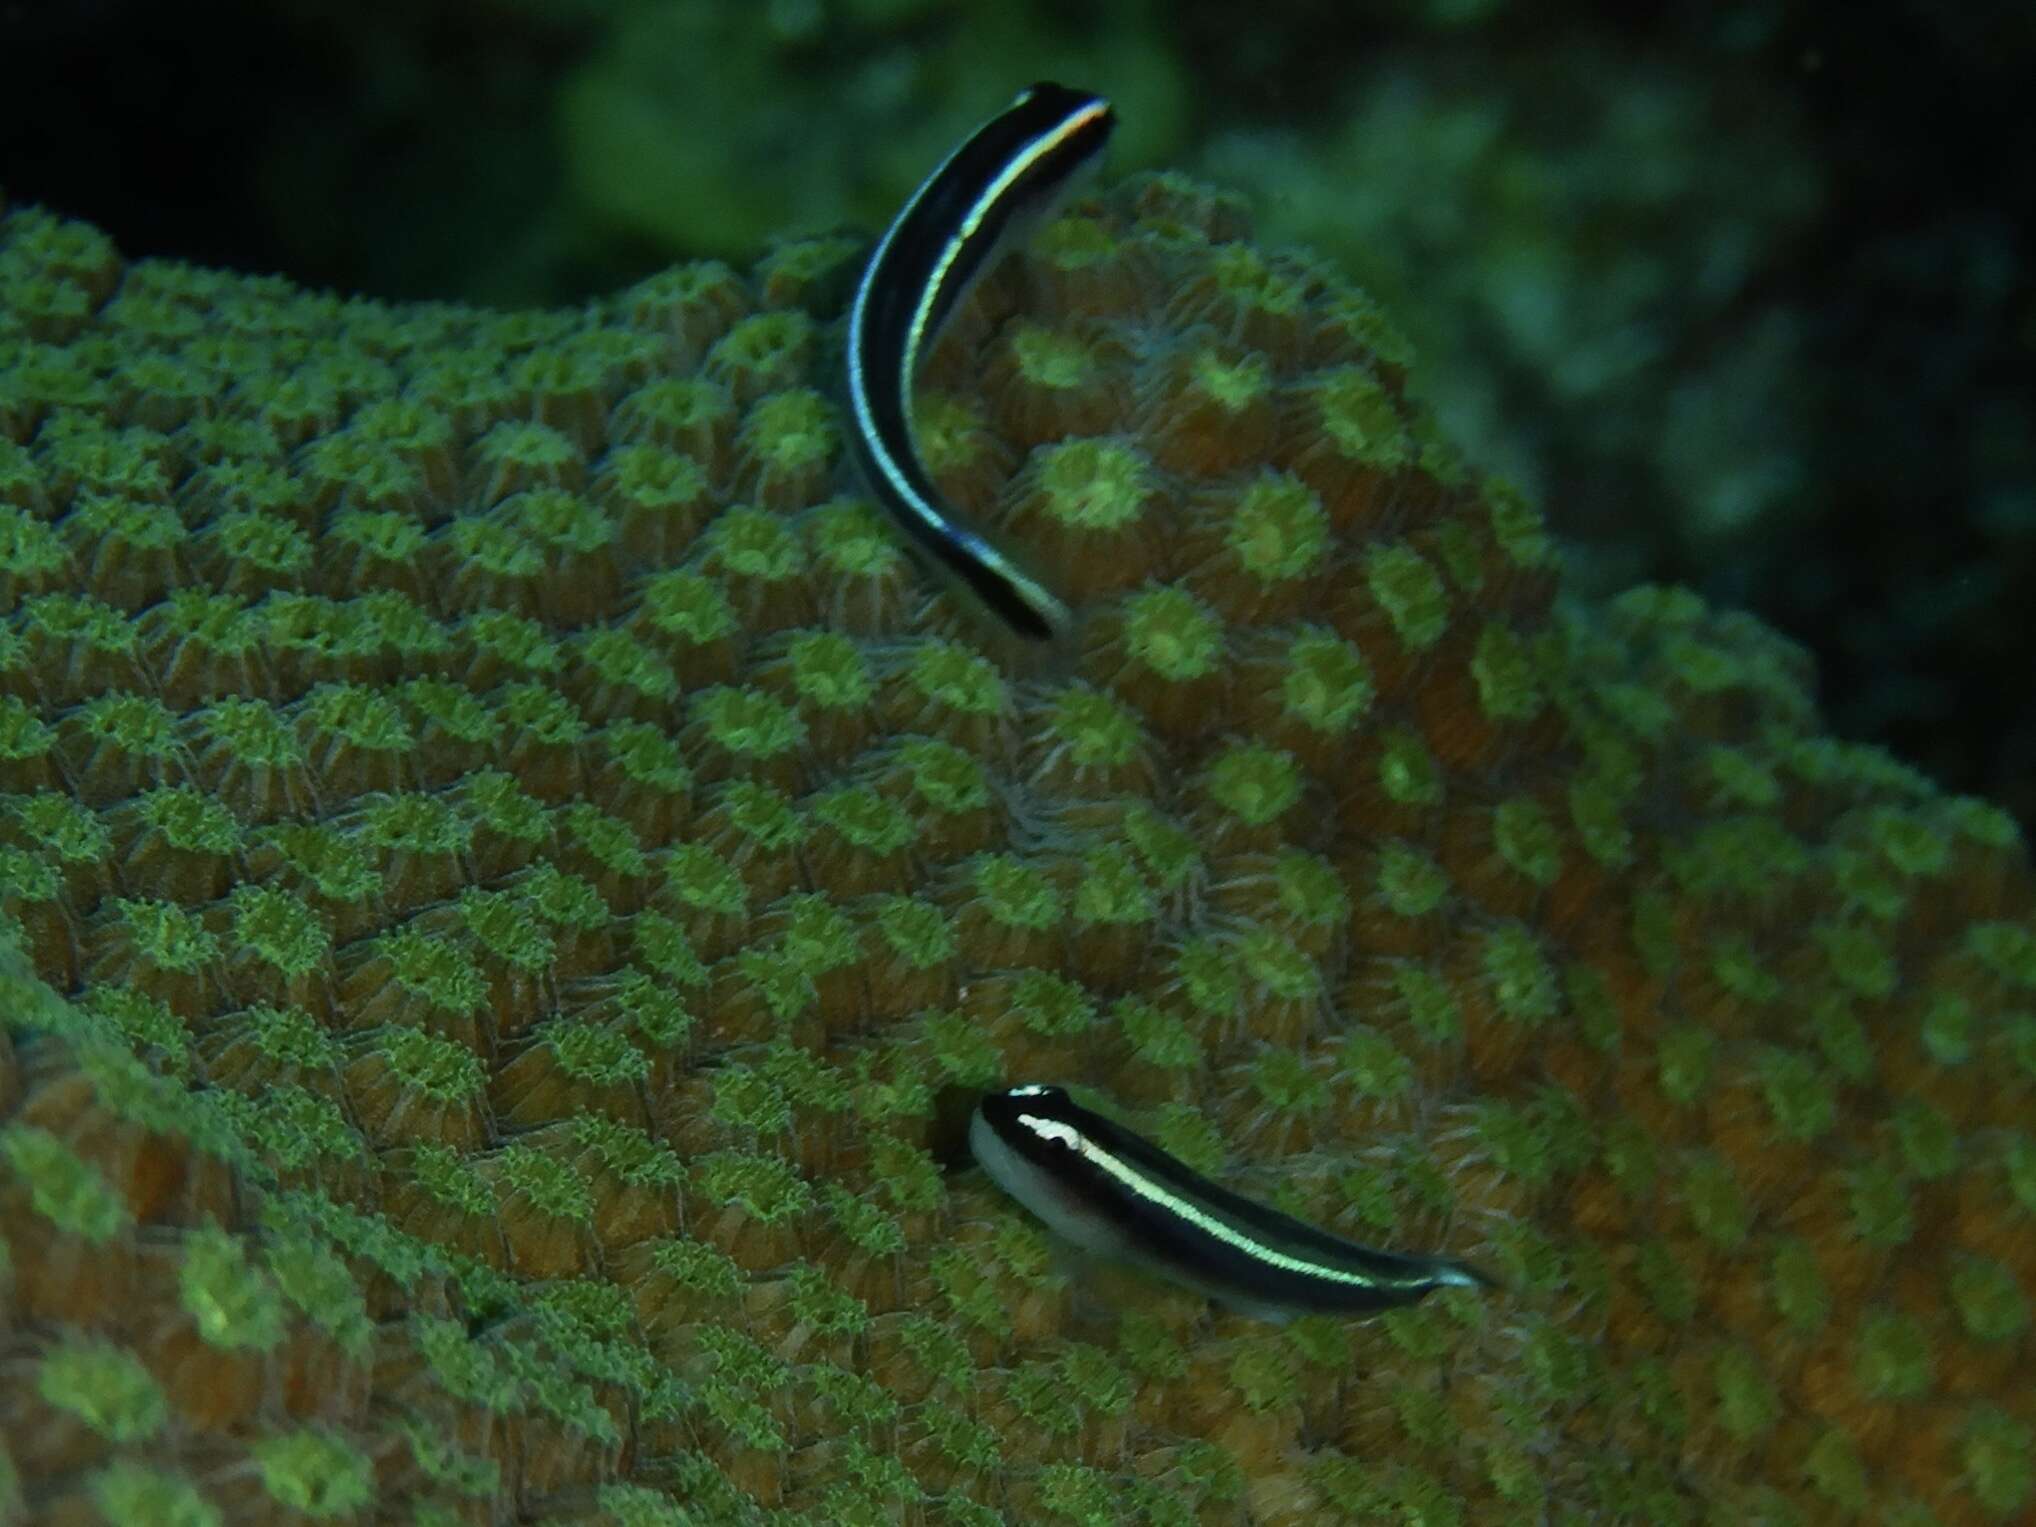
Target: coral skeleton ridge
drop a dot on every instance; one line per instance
(509, 874)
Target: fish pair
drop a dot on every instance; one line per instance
(1092, 1181)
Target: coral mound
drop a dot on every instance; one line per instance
(513, 875)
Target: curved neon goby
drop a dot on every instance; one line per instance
(1097, 1184)
(984, 196)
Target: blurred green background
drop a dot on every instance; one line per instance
(1741, 293)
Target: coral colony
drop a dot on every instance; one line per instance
(510, 869)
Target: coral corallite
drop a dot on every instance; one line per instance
(511, 878)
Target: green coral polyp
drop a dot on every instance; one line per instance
(1016, 894)
(167, 936)
(755, 544)
(1111, 890)
(550, 1186)
(1157, 1037)
(140, 725)
(1598, 814)
(500, 924)
(315, 1472)
(1738, 969)
(1517, 526)
(255, 732)
(91, 623)
(763, 353)
(72, 831)
(1309, 890)
(2006, 949)
(1892, 1359)
(699, 1267)
(263, 543)
(864, 819)
(442, 975)
(626, 1150)
(1095, 730)
(1716, 1203)
(1410, 591)
(765, 1187)
(959, 679)
(279, 929)
(233, 1303)
(1373, 1066)
(818, 936)
(1277, 529)
(945, 780)
(1926, 1139)
(1747, 1402)
(563, 899)
(1522, 981)
(535, 451)
(1799, 1095)
(622, 660)
(1858, 958)
(453, 711)
(1797, 1287)
(599, 1056)
(1948, 1029)
(1053, 359)
(1275, 966)
(1254, 783)
(1431, 1009)
(439, 1068)
(104, 1386)
(1094, 485)
(749, 723)
(296, 1128)
(542, 715)
(1997, 1452)
(1504, 670)
(1358, 417)
(1172, 633)
(68, 1191)
(1738, 779)
(830, 671)
(1051, 1005)
(29, 548)
(1285, 1082)
(144, 527)
(1407, 771)
(919, 932)
(1527, 840)
(870, 1227)
(292, 1037)
(1990, 1303)
(1326, 684)
(1167, 850)
(125, 1491)
(825, 1309)
(747, 1101)
(610, 842)
(23, 735)
(791, 431)
(1883, 1213)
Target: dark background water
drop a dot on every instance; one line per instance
(1741, 294)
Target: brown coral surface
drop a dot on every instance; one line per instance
(515, 880)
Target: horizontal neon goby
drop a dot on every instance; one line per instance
(1102, 1187)
(984, 196)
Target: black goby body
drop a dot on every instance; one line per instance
(988, 193)
(1102, 1187)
